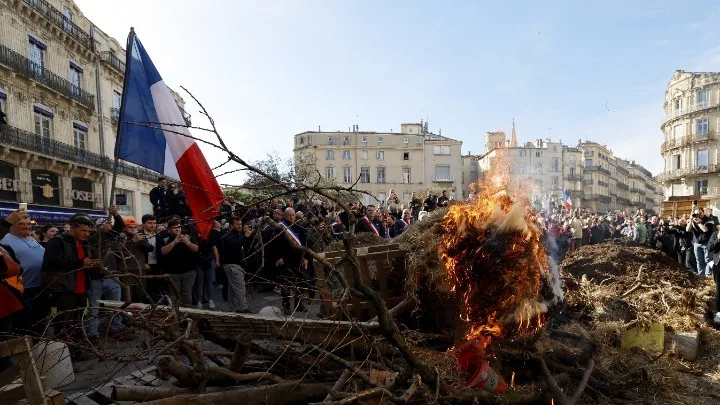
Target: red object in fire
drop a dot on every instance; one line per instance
(471, 357)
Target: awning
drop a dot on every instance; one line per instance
(44, 213)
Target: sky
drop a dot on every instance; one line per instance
(567, 70)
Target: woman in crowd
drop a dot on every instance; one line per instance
(46, 233)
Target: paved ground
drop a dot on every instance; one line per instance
(127, 357)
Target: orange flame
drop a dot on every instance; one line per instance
(495, 262)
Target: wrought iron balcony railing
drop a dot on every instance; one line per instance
(38, 73)
(597, 169)
(687, 140)
(113, 61)
(443, 178)
(21, 139)
(115, 115)
(56, 17)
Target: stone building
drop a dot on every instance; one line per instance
(61, 83)
(690, 129)
(594, 178)
(412, 160)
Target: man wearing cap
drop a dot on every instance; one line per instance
(135, 252)
(66, 267)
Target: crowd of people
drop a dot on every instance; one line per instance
(256, 247)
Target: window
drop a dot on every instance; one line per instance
(381, 175)
(406, 175)
(301, 140)
(677, 103)
(380, 155)
(346, 140)
(588, 177)
(572, 170)
(555, 182)
(380, 139)
(588, 163)
(538, 168)
(406, 155)
(441, 149)
(555, 165)
(330, 154)
(702, 158)
(346, 154)
(75, 78)
(80, 136)
(347, 175)
(701, 186)
(364, 139)
(2, 104)
(331, 140)
(702, 98)
(462, 178)
(523, 153)
(523, 169)
(406, 141)
(364, 155)
(37, 57)
(442, 173)
(676, 161)
(67, 20)
(43, 126)
(537, 153)
(364, 175)
(701, 125)
(330, 173)
(678, 131)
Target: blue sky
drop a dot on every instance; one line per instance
(267, 70)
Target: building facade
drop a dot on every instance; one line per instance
(690, 129)
(413, 160)
(61, 83)
(595, 179)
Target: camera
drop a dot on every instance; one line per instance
(694, 215)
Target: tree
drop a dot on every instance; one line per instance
(278, 169)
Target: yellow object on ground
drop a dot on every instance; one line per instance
(653, 339)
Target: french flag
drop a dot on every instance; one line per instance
(166, 149)
(567, 202)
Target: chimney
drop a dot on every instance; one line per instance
(319, 128)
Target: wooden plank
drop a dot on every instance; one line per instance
(9, 376)
(11, 393)
(55, 397)
(30, 375)
(12, 347)
(323, 288)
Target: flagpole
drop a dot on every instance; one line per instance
(123, 103)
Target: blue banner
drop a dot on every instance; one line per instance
(43, 213)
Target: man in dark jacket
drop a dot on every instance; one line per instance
(160, 199)
(292, 262)
(368, 223)
(401, 224)
(442, 201)
(179, 253)
(234, 246)
(416, 206)
(134, 254)
(714, 248)
(430, 202)
(66, 267)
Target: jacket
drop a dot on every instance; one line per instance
(640, 233)
(108, 246)
(714, 247)
(159, 197)
(234, 247)
(135, 255)
(60, 262)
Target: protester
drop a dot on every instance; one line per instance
(442, 201)
(160, 198)
(30, 255)
(701, 228)
(208, 258)
(393, 204)
(179, 252)
(292, 263)
(234, 246)
(135, 253)
(401, 224)
(714, 248)
(11, 297)
(46, 233)
(430, 202)
(66, 270)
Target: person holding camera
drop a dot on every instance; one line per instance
(702, 228)
(179, 252)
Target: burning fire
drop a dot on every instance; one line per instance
(495, 263)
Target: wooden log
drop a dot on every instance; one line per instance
(242, 350)
(244, 377)
(141, 393)
(684, 344)
(279, 394)
(186, 376)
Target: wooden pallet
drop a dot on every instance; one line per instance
(102, 395)
(377, 265)
(22, 383)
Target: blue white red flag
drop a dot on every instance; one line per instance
(567, 202)
(166, 149)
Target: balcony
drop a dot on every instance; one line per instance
(23, 66)
(45, 9)
(623, 186)
(597, 169)
(21, 139)
(623, 201)
(573, 177)
(113, 61)
(443, 178)
(690, 109)
(687, 140)
(678, 174)
(115, 115)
